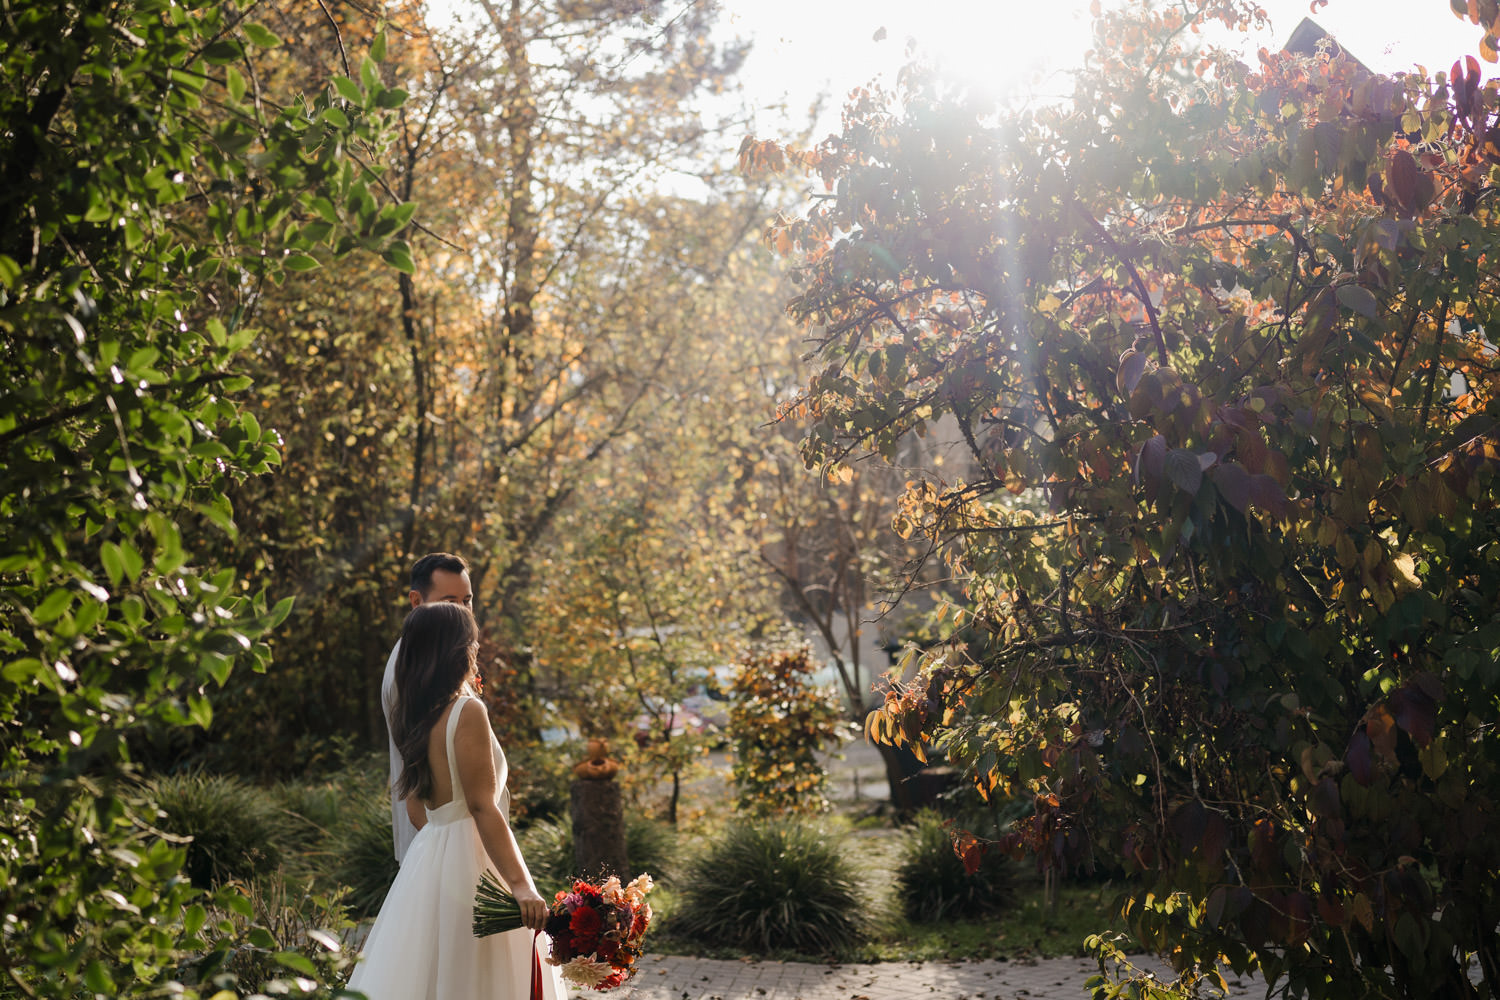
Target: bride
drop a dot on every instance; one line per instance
(422, 946)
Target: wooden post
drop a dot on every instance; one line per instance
(598, 814)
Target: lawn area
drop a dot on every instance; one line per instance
(1032, 930)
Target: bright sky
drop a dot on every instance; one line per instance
(803, 47)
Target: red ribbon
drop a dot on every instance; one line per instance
(536, 968)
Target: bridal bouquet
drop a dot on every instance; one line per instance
(596, 930)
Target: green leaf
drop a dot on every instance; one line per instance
(335, 117)
(390, 98)
(349, 91)
(280, 611)
(315, 232)
(235, 82)
(225, 50)
(377, 46)
(200, 712)
(398, 256)
(113, 562)
(132, 560)
(297, 962)
(400, 214)
(21, 671)
(260, 35)
(56, 603)
(1359, 299)
(97, 979)
(193, 919)
(325, 209)
(261, 938)
(300, 262)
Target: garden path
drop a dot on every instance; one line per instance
(677, 978)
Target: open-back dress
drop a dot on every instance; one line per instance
(422, 946)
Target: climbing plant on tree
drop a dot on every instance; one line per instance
(1222, 327)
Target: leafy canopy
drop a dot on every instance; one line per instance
(141, 166)
(1209, 339)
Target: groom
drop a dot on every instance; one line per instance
(435, 578)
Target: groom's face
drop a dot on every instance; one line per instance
(447, 588)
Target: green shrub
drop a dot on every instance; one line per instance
(307, 812)
(932, 884)
(772, 885)
(313, 808)
(357, 852)
(651, 846)
(235, 827)
(246, 937)
(547, 846)
(539, 779)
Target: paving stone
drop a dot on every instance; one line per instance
(676, 978)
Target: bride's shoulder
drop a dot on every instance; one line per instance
(472, 714)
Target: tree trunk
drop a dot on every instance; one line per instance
(598, 814)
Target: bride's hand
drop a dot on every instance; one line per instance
(533, 908)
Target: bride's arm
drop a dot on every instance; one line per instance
(476, 770)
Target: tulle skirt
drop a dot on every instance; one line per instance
(422, 946)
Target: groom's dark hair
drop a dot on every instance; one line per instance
(423, 568)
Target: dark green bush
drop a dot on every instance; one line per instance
(236, 828)
(773, 885)
(357, 851)
(651, 847)
(932, 884)
(308, 812)
(547, 846)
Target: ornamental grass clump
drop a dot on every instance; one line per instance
(359, 850)
(235, 827)
(773, 885)
(933, 885)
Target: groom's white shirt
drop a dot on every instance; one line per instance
(402, 829)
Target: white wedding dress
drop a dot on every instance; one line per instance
(422, 946)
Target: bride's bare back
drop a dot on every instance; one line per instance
(472, 745)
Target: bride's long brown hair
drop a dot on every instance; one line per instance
(438, 643)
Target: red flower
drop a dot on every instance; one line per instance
(585, 922)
